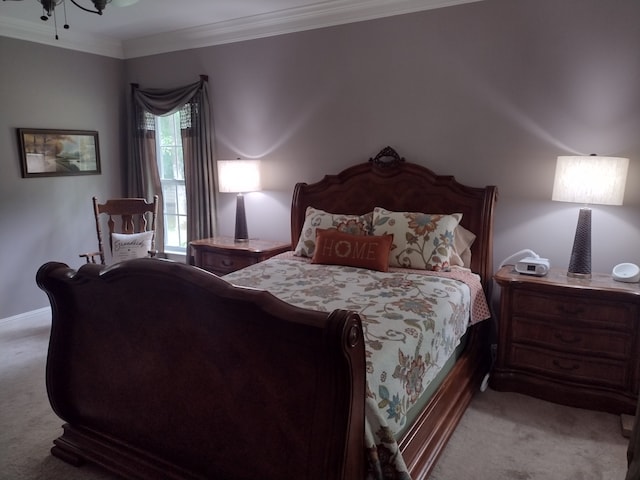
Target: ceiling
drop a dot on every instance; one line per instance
(157, 26)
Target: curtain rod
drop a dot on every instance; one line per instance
(202, 77)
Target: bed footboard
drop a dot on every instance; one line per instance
(161, 370)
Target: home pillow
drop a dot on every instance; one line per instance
(421, 240)
(462, 241)
(364, 251)
(315, 218)
(127, 246)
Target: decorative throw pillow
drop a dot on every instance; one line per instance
(462, 241)
(364, 251)
(421, 240)
(127, 246)
(314, 218)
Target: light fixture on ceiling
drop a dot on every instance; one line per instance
(49, 9)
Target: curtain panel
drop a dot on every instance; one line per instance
(143, 178)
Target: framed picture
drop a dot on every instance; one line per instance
(49, 153)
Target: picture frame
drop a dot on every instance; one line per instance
(52, 153)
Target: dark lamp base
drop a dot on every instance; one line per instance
(580, 263)
(241, 221)
(578, 275)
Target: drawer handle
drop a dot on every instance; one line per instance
(568, 368)
(227, 263)
(571, 311)
(563, 339)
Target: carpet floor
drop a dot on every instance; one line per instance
(502, 436)
(508, 436)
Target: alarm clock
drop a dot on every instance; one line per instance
(626, 272)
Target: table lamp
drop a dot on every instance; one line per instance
(589, 180)
(239, 176)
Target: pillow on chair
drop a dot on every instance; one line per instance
(127, 246)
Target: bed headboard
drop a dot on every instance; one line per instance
(388, 181)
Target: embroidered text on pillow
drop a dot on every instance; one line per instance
(134, 243)
(363, 251)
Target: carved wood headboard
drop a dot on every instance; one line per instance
(388, 181)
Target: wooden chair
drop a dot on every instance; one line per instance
(124, 216)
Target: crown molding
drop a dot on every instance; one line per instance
(325, 14)
(69, 39)
(319, 15)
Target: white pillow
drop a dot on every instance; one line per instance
(461, 254)
(127, 246)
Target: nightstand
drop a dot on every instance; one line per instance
(222, 255)
(570, 341)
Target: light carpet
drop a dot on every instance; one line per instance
(502, 436)
(508, 436)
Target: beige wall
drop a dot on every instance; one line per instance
(491, 92)
(43, 219)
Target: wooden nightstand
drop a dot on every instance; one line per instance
(222, 255)
(570, 341)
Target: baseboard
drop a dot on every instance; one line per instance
(34, 318)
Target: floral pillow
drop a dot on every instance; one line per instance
(314, 218)
(420, 240)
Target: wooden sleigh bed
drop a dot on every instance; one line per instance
(163, 370)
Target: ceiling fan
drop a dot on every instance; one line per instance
(49, 8)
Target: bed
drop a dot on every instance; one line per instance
(163, 370)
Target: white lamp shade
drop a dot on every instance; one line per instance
(123, 3)
(239, 176)
(590, 179)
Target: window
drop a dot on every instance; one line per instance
(171, 169)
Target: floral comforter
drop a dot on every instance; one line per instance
(412, 322)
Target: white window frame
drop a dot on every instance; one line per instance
(171, 188)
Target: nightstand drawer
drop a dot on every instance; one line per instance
(222, 255)
(225, 263)
(570, 367)
(606, 314)
(566, 337)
